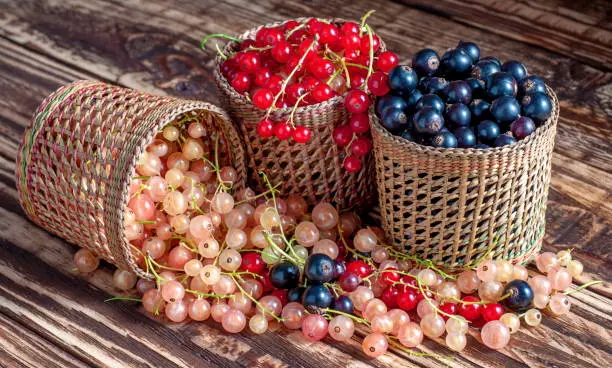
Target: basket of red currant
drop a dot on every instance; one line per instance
(299, 93)
(463, 147)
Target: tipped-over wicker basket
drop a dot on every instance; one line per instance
(314, 169)
(79, 155)
(453, 206)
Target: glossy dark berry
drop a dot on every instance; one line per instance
(406, 134)
(458, 115)
(522, 127)
(412, 99)
(501, 84)
(504, 140)
(317, 296)
(319, 267)
(349, 281)
(390, 102)
(487, 131)
(532, 84)
(480, 110)
(505, 109)
(517, 69)
(492, 311)
(426, 62)
(394, 120)
(295, 294)
(344, 304)
(537, 106)
(471, 312)
(456, 63)
(481, 146)
(477, 86)
(444, 139)
(340, 266)
(484, 68)
(433, 85)
(465, 137)
(458, 91)
(428, 121)
(492, 59)
(403, 78)
(432, 100)
(285, 275)
(521, 295)
(471, 49)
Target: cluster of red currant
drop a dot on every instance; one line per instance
(299, 64)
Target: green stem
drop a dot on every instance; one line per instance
(122, 298)
(353, 317)
(278, 319)
(222, 35)
(363, 21)
(582, 287)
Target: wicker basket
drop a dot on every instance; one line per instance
(452, 206)
(315, 169)
(79, 155)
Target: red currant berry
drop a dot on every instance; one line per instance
(349, 281)
(322, 92)
(352, 164)
(244, 45)
(281, 51)
(492, 311)
(342, 135)
(252, 262)
(471, 312)
(407, 299)
(351, 42)
(387, 60)
(389, 297)
(321, 68)
(359, 268)
(297, 36)
(265, 282)
(289, 25)
(281, 104)
(357, 101)
(265, 128)
(329, 34)
(269, 63)
(365, 44)
(249, 61)
(448, 308)
(260, 36)
(241, 82)
(350, 27)
(282, 131)
(306, 45)
(420, 296)
(273, 36)
(359, 123)
(274, 84)
(390, 275)
(281, 295)
(293, 92)
(293, 63)
(261, 77)
(309, 82)
(228, 66)
(301, 134)
(263, 98)
(379, 84)
(314, 25)
(360, 147)
(357, 81)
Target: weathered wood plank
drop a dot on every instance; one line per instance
(588, 39)
(27, 349)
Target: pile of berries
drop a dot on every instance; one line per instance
(262, 260)
(295, 65)
(463, 100)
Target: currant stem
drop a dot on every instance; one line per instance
(122, 298)
(582, 287)
(257, 303)
(221, 35)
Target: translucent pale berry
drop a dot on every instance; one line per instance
(375, 345)
(314, 327)
(495, 334)
(341, 328)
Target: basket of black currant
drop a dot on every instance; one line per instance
(463, 146)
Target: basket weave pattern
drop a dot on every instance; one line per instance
(314, 169)
(79, 155)
(452, 206)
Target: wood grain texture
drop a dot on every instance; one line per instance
(153, 46)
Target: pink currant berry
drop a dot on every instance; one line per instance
(342, 135)
(357, 101)
(360, 123)
(352, 164)
(282, 131)
(301, 134)
(263, 98)
(265, 128)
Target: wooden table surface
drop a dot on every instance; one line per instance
(51, 317)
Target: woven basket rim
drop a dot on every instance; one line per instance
(456, 152)
(286, 110)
